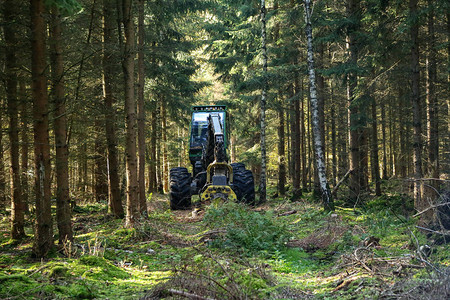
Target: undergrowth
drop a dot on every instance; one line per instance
(281, 250)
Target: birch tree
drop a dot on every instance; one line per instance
(318, 145)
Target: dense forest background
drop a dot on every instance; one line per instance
(95, 101)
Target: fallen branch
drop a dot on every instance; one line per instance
(187, 295)
(362, 263)
(434, 231)
(335, 189)
(288, 213)
(431, 207)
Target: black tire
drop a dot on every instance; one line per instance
(244, 185)
(180, 188)
(237, 166)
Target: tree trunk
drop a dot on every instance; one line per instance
(402, 154)
(152, 163)
(43, 239)
(318, 145)
(334, 146)
(130, 111)
(302, 140)
(296, 135)
(415, 99)
(17, 211)
(321, 105)
(165, 162)
(375, 161)
(108, 62)
(281, 150)
(432, 103)
(63, 210)
(23, 108)
(354, 132)
(141, 111)
(262, 178)
(100, 162)
(383, 134)
(2, 165)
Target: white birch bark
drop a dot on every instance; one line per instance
(318, 146)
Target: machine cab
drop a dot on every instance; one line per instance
(199, 128)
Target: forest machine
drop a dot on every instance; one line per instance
(213, 178)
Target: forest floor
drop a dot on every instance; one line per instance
(279, 250)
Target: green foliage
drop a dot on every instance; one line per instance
(246, 230)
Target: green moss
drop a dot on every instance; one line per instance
(100, 268)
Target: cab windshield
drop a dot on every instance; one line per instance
(199, 127)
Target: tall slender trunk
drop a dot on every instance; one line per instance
(415, 99)
(383, 135)
(281, 150)
(115, 201)
(447, 140)
(402, 154)
(100, 162)
(296, 134)
(2, 165)
(165, 159)
(315, 108)
(130, 111)
(262, 178)
(141, 110)
(17, 211)
(320, 80)
(152, 163)
(63, 210)
(291, 129)
(354, 131)
(375, 160)
(23, 108)
(432, 103)
(302, 141)
(392, 160)
(333, 137)
(43, 239)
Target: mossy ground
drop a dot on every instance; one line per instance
(326, 257)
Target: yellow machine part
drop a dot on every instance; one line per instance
(218, 192)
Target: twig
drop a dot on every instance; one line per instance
(420, 258)
(335, 189)
(38, 270)
(434, 231)
(187, 295)
(431, 207)
(291, 212)
(355, 254)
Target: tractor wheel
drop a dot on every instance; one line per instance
(244, 185)
(238, 166)
(180, 188)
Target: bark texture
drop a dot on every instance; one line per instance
(11, 70)
(115, 201)
(262, 177)
(354, 130)
(141, 110)
(318, 145)
(417, 111)
(63, 210)
(43, 240)
(130, 111)
(432, 103)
